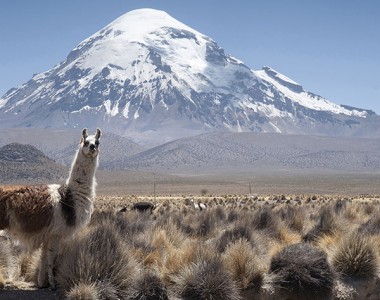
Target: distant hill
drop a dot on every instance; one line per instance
(210, 153)
(252, 152)
(60, 145)
(112, 147)
(20, 162)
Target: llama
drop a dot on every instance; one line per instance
(46, 214)
(198, 206)
(194, 204)
(144, 206)
(140, 207)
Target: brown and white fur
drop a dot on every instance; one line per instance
(46, 214)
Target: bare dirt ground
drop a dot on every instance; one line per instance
(27, 291)
(262, 183)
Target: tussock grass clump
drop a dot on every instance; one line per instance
(220, 213)
(2, 281)
(202, 224)
(266, 221)
(6, 260)
(288, 237)
(340, 206)
(240, 231)
(232, 216)
(29, 265)
(370, 208)
(148, 287)
(236, 248)
(127, 224)
(293, 217)
(245, 266)
(326, 225)
(355, 257)
(206, 224)
(372, 226)
(301, 271)
(205, 279)
(97, 255)
(177, 258)
(83, 291)
(173, 234)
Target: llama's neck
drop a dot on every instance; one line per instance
(82, 174)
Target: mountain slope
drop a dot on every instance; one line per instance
(222, 152)
(19, 162)
(154, 79)
(61, 145)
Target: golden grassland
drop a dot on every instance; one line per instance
(258, 246)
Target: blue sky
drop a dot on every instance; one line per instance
(330, 47)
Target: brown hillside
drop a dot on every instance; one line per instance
(19, 163)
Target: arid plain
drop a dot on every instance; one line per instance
(254, 227)
(281, 215)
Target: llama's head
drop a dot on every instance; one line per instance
(90, 143)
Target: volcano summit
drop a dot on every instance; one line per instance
(152, 78)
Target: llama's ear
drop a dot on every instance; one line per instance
(84, 133)
(98, 133)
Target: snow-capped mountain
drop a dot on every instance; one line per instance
(150, 77)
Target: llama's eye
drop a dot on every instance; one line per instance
(86, 143)
(97, 143)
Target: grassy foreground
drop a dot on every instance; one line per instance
(239, 247)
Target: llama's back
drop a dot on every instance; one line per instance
(25, 208)
(5, 193)
(3, 208)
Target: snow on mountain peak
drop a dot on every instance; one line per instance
(137, 36)
(138, 23)
(295, 91)
(147, 72)
(136, 26)
(278, 76)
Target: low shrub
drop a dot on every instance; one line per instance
(302, 272)
(97, 255)
(355, 257)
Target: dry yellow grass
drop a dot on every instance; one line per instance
(245, 266)
(236, 236)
